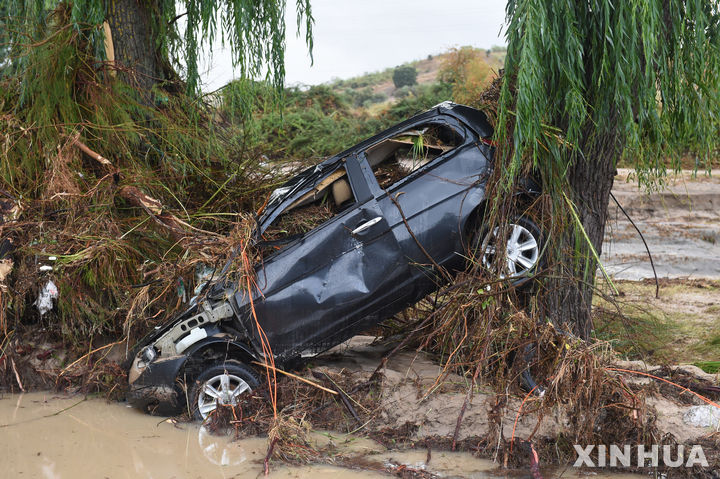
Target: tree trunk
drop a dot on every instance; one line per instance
(569, 298)
(135, 52)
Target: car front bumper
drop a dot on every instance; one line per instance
(156, 388)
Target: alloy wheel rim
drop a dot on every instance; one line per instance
(521, 251)
(224, 389)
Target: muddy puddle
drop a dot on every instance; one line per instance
(44, 435)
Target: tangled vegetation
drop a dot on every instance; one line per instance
(128, 199)
(130, 203)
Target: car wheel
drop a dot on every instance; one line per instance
(226, 383)
(523, 247)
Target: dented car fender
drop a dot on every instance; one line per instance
(160, 383)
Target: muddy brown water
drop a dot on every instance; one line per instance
(44, 435)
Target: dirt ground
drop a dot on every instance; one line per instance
(414, 410)
(681, 225)
(413, 400)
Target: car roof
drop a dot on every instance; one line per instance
(474, 119)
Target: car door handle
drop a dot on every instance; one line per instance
(367, 225)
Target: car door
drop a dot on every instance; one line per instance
(426, 209)
(317, 291)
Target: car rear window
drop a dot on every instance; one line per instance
(395, 158)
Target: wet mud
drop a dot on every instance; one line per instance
(51, 436)
(680, 223)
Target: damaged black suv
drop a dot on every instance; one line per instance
(385, 214)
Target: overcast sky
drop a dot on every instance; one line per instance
(353, 37)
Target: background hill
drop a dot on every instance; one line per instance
(322, 120)
(378, 87)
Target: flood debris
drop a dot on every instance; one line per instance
(288, 442)
(6, 266)
(703, 416)
(481, 326)
(407, 407)
(48, 293)
(330, 253)
(334, 251)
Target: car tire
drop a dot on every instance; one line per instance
(229, 383)
(524, 246)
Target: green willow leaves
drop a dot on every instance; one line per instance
(645, 71)
(253, 29)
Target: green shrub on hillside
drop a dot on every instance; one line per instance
(320, 121)
(364, 97)
(404, 75)
(420, 98)
(314, 123)
(403, 92)
(367, 79)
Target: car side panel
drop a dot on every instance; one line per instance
(318, 289)
(436, 206)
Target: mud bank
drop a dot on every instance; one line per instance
(413, 400)
(46, 435)
(681, 224)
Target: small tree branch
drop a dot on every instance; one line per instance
(95, 156)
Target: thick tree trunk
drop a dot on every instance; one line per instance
(135, 52)
(569, 298)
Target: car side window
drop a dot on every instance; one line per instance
(331, 196)
(396, 157)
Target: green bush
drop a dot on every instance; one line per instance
(404, 75)
(423, 97)
(403, 92)
(364, 97)
(313, 123)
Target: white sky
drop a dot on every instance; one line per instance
(353, 37)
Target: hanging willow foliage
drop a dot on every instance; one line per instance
(253, 29)
(645, 71)
(55, 78)
(585, 84)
